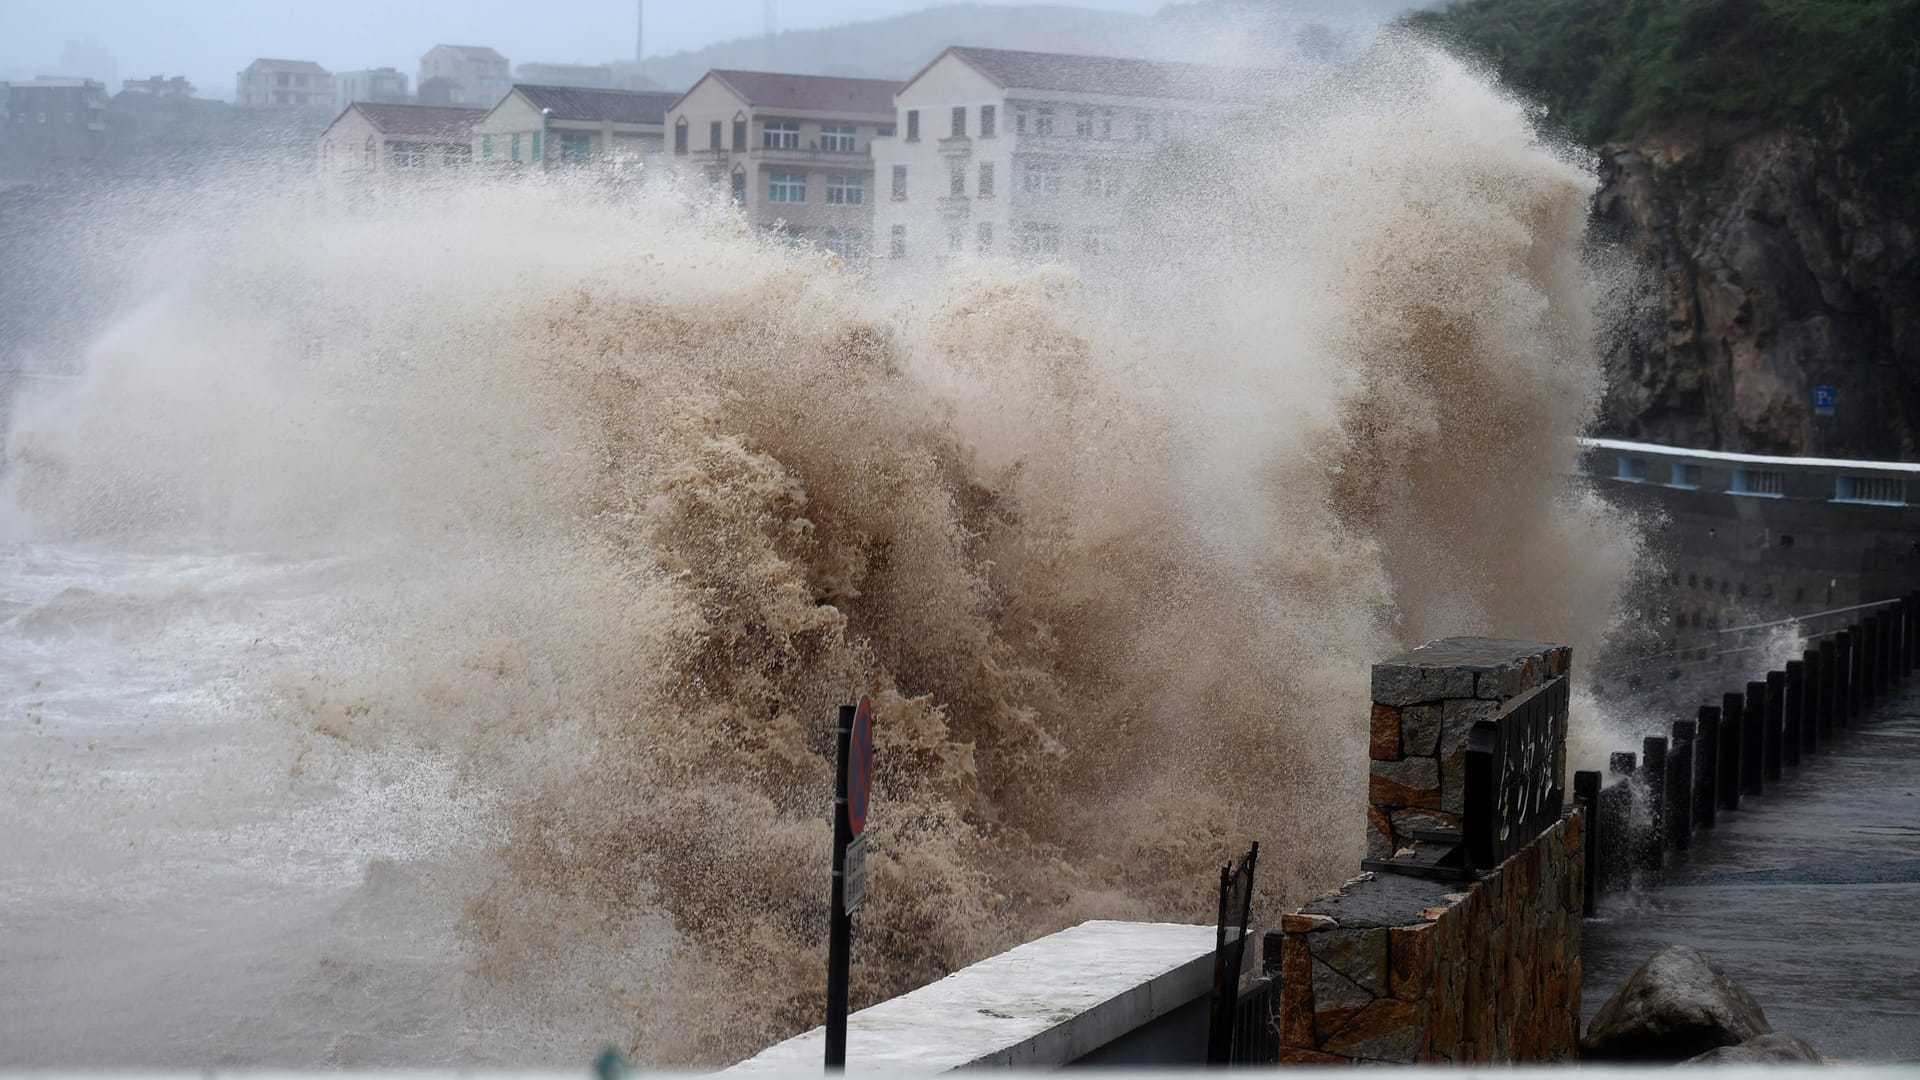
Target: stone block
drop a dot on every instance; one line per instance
(1507, 681)
(1386, 1030)
(1410, 961)
(1419, 729)
(1408, 681)
(1302, 923)
(1359, 956)
(1296, 992)
(1295, 1055)
(1384, 739)
(1407, 782)
(1379, 834)
(1333, 991)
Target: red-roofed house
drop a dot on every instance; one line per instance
(377, 142)
(794, 150)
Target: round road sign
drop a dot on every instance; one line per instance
(860, 766)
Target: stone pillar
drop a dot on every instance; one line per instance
(1425, 702)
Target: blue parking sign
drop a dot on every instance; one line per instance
(1823, 398)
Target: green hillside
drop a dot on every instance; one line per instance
(1608, 69)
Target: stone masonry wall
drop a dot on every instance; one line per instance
(1425, 703)
(1404, 969)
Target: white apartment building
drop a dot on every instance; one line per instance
(283, 84)
(544, 126)
(795, 151)
(1027, 154)
(384, 85)
(468, 76)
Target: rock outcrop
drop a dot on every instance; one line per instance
(1676, 1006)
(1775, 1049)
(1776, 265)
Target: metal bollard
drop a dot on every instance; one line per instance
(1790, 703)
(1847, 686)
(1809, 699)
(1830, 694)
(1650, 846)
(1586, 793)
(1680, 787)
(1773, 733)
(1706, 750)
(1733, 709)
(1616, 824)
(1869, 648)
(1753, 739)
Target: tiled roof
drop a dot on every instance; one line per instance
(592, 103)
(429, 120)
(1072, 73)
(824, 93)
(305, 66)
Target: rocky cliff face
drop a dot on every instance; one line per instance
(1774, 269)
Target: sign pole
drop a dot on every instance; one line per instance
(852, 786)
(839, 934)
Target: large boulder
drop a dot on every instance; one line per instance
(1774, 1049)
(1677, 1005)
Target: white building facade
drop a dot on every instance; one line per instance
(1032, 155)
(539, 127)
(794, 151)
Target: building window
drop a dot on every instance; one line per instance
(897, 248)
(280, 79)
(849, 244)
(1630, 468)
(786, 187)
(486, 146)
(516, 148)
(713, 135)
(956, 238)
(983, 237)
(1684, 475)
(781, 135)
(1039, 238)
(1043, 122)
(1042, 176)
(1759, 482)
(913, 124)
(885, 131)
(845, 190)
(679, 137)
(456, 155)
(576, 148)
(1083, 124)
(957, 181)
(739, 135)
(1143, 126)
(740, 187)
(1095, 242)
(986, 121)
(837, 140)
(1020, 121)
(986, 179)
(537, 155)
(1886, 490)
(900, 181)
(959, 121)
(406, 155)
(1106, 125)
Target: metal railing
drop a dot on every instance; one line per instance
(1675, 789)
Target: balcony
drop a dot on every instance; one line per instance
(858, 159)
(956, 146)
(954, 204)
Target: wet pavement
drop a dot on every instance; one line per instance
(1808, 896)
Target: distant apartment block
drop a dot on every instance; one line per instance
(386, 86)
(545, 126)
(598, 76)
(372, 139)
(999, 152)
(795, 151)
(159, 86)
(469, 76)
(53, 123)
(284, 84)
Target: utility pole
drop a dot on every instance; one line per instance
(639, 31)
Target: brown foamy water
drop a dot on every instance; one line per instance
(602, 504)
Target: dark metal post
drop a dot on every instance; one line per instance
(1849, 676)
(1773, 735)
(1616, 825)
(1830, 693)
(1889, 638)
(1791, 702)
(1586, 792)
(840, 924)
(1733, 711)
(1913, 631)
(1753, 726)
(1809, 699)
(1650, 845)
(1869, 649)
(1680, 787)
(1706, 749)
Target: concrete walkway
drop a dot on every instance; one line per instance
(1808, 896)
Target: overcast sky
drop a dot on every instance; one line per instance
(210, 40)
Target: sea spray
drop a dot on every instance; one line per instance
(627, 499)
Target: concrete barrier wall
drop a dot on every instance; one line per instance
(1400, 967)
